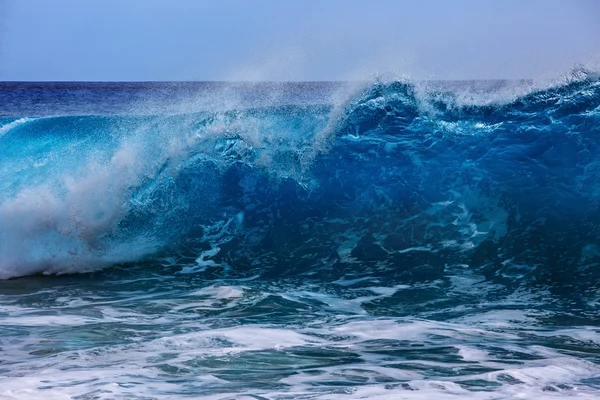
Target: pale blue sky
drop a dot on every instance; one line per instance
(294, 40)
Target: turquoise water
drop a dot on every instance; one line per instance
(299, 241)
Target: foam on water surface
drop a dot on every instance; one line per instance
(261, 339)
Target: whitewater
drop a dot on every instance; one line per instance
(371, 240)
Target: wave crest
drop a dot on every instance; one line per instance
(399, 180)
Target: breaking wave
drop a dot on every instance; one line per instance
(399, 181)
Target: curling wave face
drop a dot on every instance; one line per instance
(397, 182)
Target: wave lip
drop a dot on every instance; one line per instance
(4, 129)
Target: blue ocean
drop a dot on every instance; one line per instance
(387, 239)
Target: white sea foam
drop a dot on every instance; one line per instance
(59, 226)
(166, 344)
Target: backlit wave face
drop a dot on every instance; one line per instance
(398, 181)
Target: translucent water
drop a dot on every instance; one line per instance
(300, 241)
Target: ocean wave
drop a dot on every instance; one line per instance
(396, 181)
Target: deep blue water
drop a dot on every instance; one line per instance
(300, 240)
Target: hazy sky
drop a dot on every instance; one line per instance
(294, 39)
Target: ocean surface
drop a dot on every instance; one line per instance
(372, 240)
